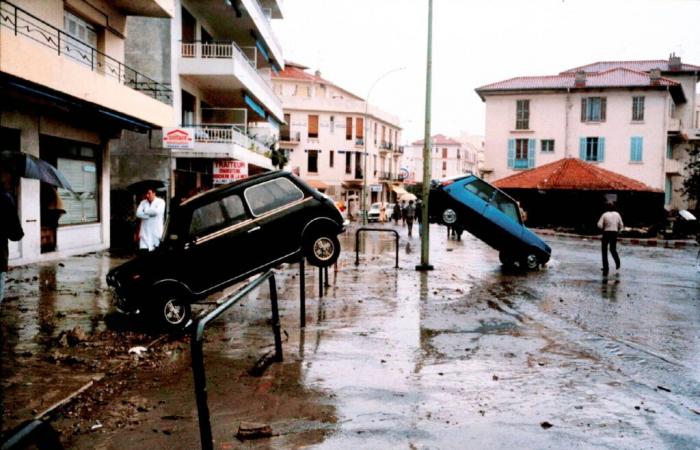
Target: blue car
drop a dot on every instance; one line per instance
(491, 215)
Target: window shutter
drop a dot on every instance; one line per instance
(583, 109)
(601, 149)
(639, 153)
(582, 148)
(531, 143)
(602, 108)
(511, 153)
(633, 149)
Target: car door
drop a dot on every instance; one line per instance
(473, 196)
(277, 207)
(217, 247)
(504, 215)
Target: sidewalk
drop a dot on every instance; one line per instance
(643, 242)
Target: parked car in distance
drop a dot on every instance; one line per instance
(223, 236)
(374, 212)
(489, 214)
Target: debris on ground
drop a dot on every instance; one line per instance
(546, 425)
(138, 350)
(72, 337)
(252, 430)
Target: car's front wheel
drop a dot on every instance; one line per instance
(172, 313)
(507, 260)
(449, 217)
(530, 261)
(322, 249)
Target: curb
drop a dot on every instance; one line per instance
(659, 243)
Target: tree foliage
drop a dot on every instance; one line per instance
(691, 184)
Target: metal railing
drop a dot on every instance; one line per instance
(227, 134)
(287, 136)
(388, 176)
(23, 23)
(197, 349)
(226, 50)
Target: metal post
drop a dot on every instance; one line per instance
(302, 293)
(59, 43)
(15, 21)
(325, 278)
(320, 282)
(275, 319)
(425, 237)
(200, 391)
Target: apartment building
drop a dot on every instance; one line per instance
(327, 133)
(219, 57)
(449, 158)
(634, 118)
(66, 96)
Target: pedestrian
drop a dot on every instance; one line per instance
(419, 216)
(10, 226)
(151, 211)
(382, 212)
(410, 215)
(403, 212)
(611, 224)
(397, 213)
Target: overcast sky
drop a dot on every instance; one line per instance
(475, 42)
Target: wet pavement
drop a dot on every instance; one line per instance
(465, 356)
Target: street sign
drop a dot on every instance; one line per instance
(179, 138)
(229, 170)
(375, 188)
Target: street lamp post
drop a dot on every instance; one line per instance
(427, 147)
(366, 138)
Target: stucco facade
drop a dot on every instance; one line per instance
(647, 125)
(449, 158)
(329, 129)
(66, 96)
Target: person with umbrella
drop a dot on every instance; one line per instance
(151, 211)
(10, 226)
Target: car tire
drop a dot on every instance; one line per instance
(449, 217)
(508, 261)
(322, 249)
(172, 313)
(530, 261)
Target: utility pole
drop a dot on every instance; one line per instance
(427, 148)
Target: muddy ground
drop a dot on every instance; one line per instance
(465, 356)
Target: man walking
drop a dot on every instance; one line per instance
(611, 224)
(151, 211)
(410, 215)
(10, 226)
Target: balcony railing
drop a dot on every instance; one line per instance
(386, 145)
(388, 176)
(286, 136)
(359, 142)
(267, 17)
(226, 50)
(23, 23)
(399, 149)
(228, 134)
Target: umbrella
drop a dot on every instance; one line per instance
(407, 197)
(28, 166)
(142, 186)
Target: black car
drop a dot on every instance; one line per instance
(489, 214)
(223, 236)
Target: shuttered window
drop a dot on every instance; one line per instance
(360, 128)
(593, 109)
(313, 126)
(522, 115)
(636, 148)
(637, 108)
(348, 128)
(521, 153)
(592, 149)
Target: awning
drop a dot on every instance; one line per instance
(254, 106)
(262, 50)
(352, 184)
(399, 190)
(317, 184)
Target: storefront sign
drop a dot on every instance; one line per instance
(178, 138)
(228, 170)
(375, 188)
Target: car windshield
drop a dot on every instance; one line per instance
(506, 206)
(481, 189)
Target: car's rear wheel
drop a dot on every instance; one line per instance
(449, 217)
(172, 313)
(507, 260)
(322, 249)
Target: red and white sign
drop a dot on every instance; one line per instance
(178, 137)
(228, 170)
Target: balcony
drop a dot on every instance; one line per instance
(673, 167)
(288, 137)
(264, 28)
(359, 142)
(388, 176)
(70, 66)
(227, 141)
(220, 68)
(399, 149)
(674, 125)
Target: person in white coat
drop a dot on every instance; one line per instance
(151, 211)
(611, 224)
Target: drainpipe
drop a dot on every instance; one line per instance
(567, 108)
(667, 111)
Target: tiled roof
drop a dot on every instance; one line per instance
(639, 66)
(294, 71)
(572, 174)
(439, 139)
(618, 77)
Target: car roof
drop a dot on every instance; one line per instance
(236, 185)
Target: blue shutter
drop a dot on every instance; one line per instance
(531, 145)
(633, 149)
(640, 149)
(601, 149)
(582, 148)
(511, 153)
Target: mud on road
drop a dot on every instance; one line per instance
(465, 356)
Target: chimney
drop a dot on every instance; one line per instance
(580, 80)
(655, 75)
(674, 62)
(317, 73)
